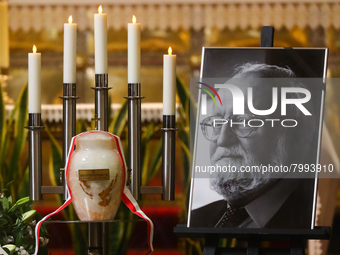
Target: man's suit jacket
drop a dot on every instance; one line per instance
(295, 212)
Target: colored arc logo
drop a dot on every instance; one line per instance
(208, 92)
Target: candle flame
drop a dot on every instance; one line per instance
(100, 9)
(170, 51)
(70, 19)
(34, 49)
(134, 19)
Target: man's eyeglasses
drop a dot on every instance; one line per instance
(212, 126)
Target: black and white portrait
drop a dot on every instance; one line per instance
(257, 131)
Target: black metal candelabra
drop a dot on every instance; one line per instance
(98, 232)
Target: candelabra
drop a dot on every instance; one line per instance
(69, 119)
(97, 232)
(168, 157)
(134, 137)
(167, 190)
(101, 101)
(35, 155)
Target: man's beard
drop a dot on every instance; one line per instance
(239, 188)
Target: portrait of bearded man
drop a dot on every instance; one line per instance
(254, 199)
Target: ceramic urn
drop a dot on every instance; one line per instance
(96, 176)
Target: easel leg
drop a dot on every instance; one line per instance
(211, 243)
(297, 246)
(253, 247)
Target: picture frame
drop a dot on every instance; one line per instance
(281, 200)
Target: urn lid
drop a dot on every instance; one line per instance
(100, 139)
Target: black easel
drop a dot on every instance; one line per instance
(254, 236)
(297, 237)
(267, 36)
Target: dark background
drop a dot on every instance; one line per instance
(220, 62)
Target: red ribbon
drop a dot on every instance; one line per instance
(127, 197)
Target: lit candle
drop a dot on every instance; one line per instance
(34, 81)
(134, 51)
(100, 42)
(169, 83)
(70, 51)
(4, 41)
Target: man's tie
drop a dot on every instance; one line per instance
(232, 218)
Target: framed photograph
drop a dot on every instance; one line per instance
(257, 137)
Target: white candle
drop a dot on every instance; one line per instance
(169, 83)
(4, 41)
(34, 81)
(134, 51)
(100, 42)
(70, 51)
